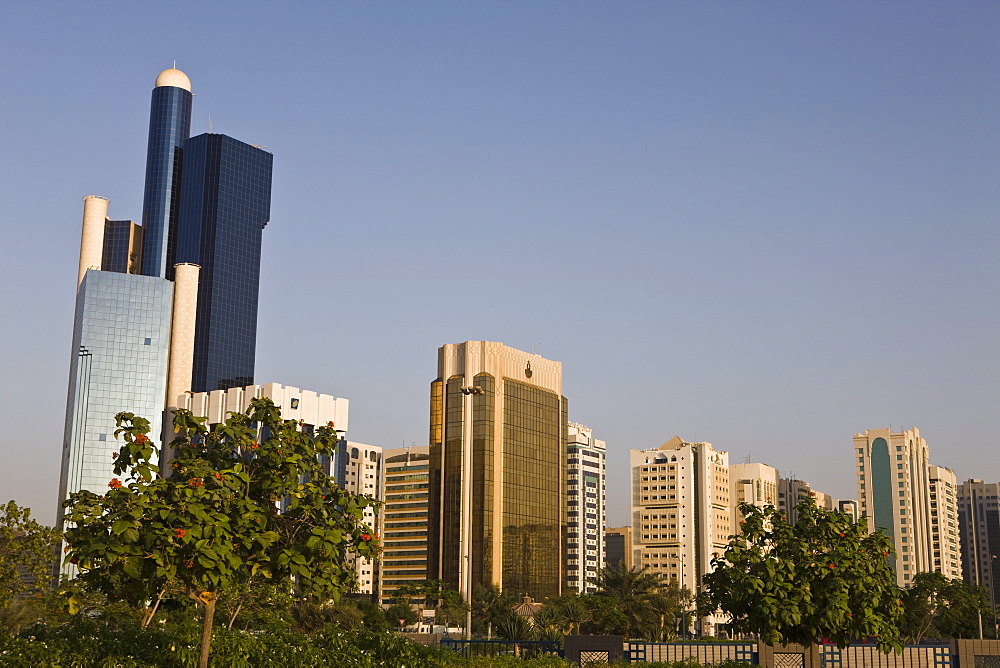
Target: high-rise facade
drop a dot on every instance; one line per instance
(225, 202)
(363, 465)
(979, 520)
(121, 342)
(618, 547)
(681, 509)
(497, 470)
(169, 127)
(894, 493)
(946, 550)
(310, 409)
(404, 519)
(753, 483)
(585, 507)
(791, 491)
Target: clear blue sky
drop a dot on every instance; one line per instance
(767, 225)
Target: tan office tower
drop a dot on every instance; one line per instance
(894, 492)
(497, 470)
(403, 519)
(946, 552)
(681, 509)
(756, 484)
(792, 490)
(618, 547)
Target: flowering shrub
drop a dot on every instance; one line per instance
(239, 501)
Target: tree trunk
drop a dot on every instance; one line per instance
(207, 598)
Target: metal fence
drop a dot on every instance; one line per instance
(745, 652)
(867, 656)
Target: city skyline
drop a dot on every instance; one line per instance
(740, 198)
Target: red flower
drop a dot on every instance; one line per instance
(253, 446)
(330, 424)
(196, 482)
(218, 476)
(180, 532)
(366, 537)
(115, 483)
(841, 535)
(74, 560)
(141, 439)
(189, 563)
(831, 565)
(114, 455)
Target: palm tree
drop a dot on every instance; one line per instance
(488, 603)
(624, 583)
(549, 623)
(574, 611)
(634, 602)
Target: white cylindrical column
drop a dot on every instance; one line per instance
(182, 324)
(95, 212)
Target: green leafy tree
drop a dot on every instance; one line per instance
(823, 577)
(448, 605)
(401, 611)
(256, 604)
(27, 552)
(246, 501)
(937, 607)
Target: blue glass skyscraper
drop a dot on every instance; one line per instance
(225, 204)
(121, 342)
(169, 127)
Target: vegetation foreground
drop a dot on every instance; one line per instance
(86, 643)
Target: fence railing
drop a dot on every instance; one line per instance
(867, 656)
(830, 656)
(745, 652)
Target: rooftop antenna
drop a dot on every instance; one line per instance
(175, 63)
(210, 124)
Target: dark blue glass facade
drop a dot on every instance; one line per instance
(225, 204)
(117, 246)
(169, 127)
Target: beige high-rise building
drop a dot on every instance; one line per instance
(363, 467)
(756, 484)
(497, 470)
(946, 551)
(404, 519)
(681, 509)
(894, 493)
(792, 490)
